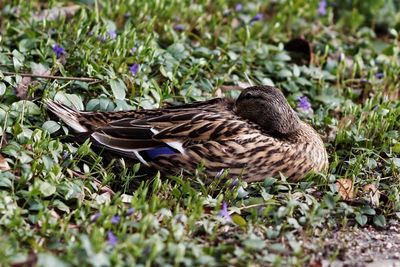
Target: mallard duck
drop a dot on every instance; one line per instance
(257, 136)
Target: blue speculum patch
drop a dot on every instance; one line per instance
(158, 151)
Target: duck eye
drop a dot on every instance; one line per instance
(248, 95)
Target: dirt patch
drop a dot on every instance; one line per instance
(359, 247)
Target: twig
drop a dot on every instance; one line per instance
(249, 207)
(51, 77)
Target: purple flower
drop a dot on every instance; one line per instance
(58, 50)
(130, 211)
(341, 57)
(260, 210)
(179, 27)
(322, 7)
(65, 155)
(146, 250)
(112, 239)
(115, 219)
(95, 217)
(234, 183)
(127, 15)
(224, 212)
(257, 17)
(380, 75)
(112, 34)
(304, 104)
(134, 69)
(102, 38)
(133, 50)
(238, 7)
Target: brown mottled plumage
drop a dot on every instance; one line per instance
(257, 136)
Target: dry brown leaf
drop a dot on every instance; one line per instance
(4, 164)
(56, 12)
(345, 188)
(372, 193)
(22, 87)
(54, 214)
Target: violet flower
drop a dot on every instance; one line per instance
(95, 217)
(115, 219)
(112, 239)
(179, 27)
(134, 69)
(380, 75)
(130, 211)
(58, 50)
(257, 17)
(304, 104)
(224, 212)
(322, 7)
(234, 183)
(112, 34)
(238, 7)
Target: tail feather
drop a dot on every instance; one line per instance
(67, 114)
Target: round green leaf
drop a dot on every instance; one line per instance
(51, 126)
(47, 189)
(118, 88)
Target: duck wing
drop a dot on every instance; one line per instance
(144, 135)
(170, 133)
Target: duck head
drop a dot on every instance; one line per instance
(268, 107)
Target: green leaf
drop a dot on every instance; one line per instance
(70, 100)
(254, 244)
(51, 126)
(379, 220)
(285, 73)
(49, 260)
(395, 161)
(282, 57)
(118, 88)
(361, 219)
(2, 88)
(330, 201)
(396, 148)
(239, 220)
(47, 189)
(61, 206)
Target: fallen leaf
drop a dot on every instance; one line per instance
(54, 214)
(345, 188)
(372, 194)
(22, 87)
(4, 164)
(125, 198)
(56, 13)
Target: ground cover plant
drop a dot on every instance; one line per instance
(61, 204)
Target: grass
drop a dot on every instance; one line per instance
(56, 204)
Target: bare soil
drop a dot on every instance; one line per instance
(358, 247)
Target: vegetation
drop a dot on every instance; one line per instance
(61, 204)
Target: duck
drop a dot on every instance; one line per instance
(256, 136)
